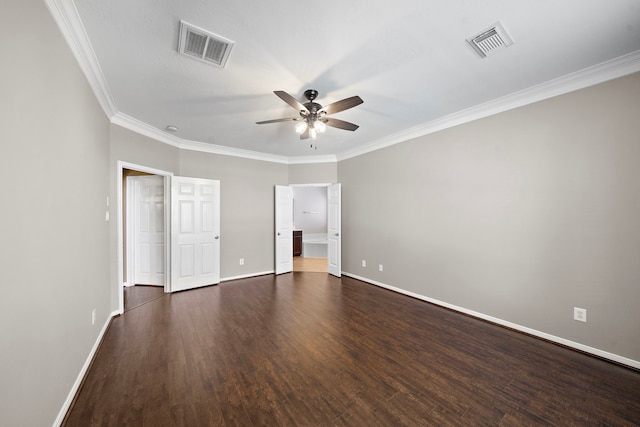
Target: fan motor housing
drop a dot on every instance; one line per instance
(312, 106)
(311, 94)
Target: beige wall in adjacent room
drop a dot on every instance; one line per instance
(54, 255)
(520, 216)
(246, 208)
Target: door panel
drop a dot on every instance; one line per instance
(334, 231)
(195, 235)
(148, 230)
(284, 229)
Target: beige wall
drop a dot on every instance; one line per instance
(133, 148)
(54, 256)
(520, 216)
(316, 173)
(247, 196)
(246, 208)
(246, 201)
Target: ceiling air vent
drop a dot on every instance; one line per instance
(491, 40)
(203, 45)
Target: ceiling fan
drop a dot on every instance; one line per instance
(313, 118)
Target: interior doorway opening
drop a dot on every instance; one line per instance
(144, 269)
(136, 296)
(185, 214)
(310, 209)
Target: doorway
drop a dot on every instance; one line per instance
(310, 220)
(189, 216)
(143, 219)
(321, 216)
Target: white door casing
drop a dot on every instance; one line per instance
(334, 230)
(284, 229)
(148, 230)
(195, 232)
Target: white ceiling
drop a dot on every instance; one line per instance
(407, 59)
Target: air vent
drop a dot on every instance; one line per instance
(491, 40)
(203, 45)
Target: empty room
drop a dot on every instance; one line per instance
(478, 230)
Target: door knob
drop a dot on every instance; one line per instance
(278, 234)
(217, 237)
(337, 234)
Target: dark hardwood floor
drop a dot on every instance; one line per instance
(309, 349)
(137, 295)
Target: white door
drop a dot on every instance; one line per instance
(195, 232)
(148, 232)
(284, 229)
(334, 230)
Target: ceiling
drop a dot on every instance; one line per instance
(408, 60)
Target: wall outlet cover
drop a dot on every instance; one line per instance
(580, 314)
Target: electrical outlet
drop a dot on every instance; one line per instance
(364, 263)
(380, 267)
(241, 261)
(93, 317)
(580, 314)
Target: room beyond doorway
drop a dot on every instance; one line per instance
(310, 205)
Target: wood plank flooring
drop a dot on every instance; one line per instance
(137, 295)
(310, 264)
(309, 349)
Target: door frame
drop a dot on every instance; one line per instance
(325, 185)
(121, 165)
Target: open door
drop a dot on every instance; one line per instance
(284, 229)
(148, 230)
(334, 231)
(195, 232)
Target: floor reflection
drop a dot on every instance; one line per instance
(135, 296)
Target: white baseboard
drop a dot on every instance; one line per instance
(83, 372)
(245, 276)
(591, 350)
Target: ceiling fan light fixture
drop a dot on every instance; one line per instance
(319, 126)
(312, 120)
(301, 127)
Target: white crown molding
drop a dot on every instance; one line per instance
(305, 160)
(142, 128)
(235, 152)
(66, 15)
(615, 68)
(147, 130)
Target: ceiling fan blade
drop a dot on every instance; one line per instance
(305, 134)
(291, 101)
(340, 124)
(275, 121)
(345, 104)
